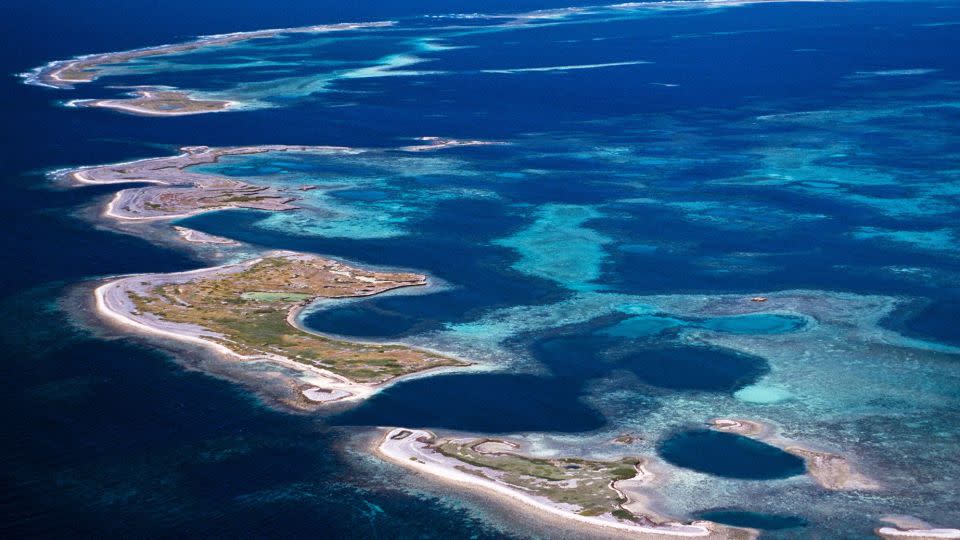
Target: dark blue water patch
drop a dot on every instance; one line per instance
(581, 355)
(708, 74)
(931, 320)
(805, 254)
(753, 520)
(638, 248)
(31, 232)
(729, 455)
(456, 232)
(139, 447)
(367, 319)
(256, 469)
(483, 403)
(693, 368)
(670, 367)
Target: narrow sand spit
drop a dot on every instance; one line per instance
(891, 533)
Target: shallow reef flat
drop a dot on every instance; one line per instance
(248, 311)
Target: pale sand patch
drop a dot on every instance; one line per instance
(917, 534)
(198, 237)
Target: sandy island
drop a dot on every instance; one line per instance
(84, 69)
(581, 492)
(149, 101)
(246, 312)
(179, 193)
(198, 237)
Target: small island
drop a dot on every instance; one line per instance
(159, 102)
(178, 192)
(247, 311)
(87, 68)
(583, 491)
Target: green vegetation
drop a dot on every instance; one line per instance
(249, 309)
(275, 296)
(170, 101)
(584, 483)
(241, 199)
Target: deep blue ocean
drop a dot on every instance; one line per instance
(751, 150)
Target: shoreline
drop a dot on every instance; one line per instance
(155, 170)
(314, 388)
(408, 451)
(890, 533)
(159, 103)
(176, 193)
(326, 386)
(63, 74)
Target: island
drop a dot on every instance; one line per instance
(580, 491)
(247, 311)
(152, 101)
(87, 68)
(178, 193)
(198, 237)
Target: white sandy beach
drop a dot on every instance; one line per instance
(113, 303)
(409, 452)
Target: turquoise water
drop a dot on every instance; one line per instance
(645, 326)
(754, 520)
